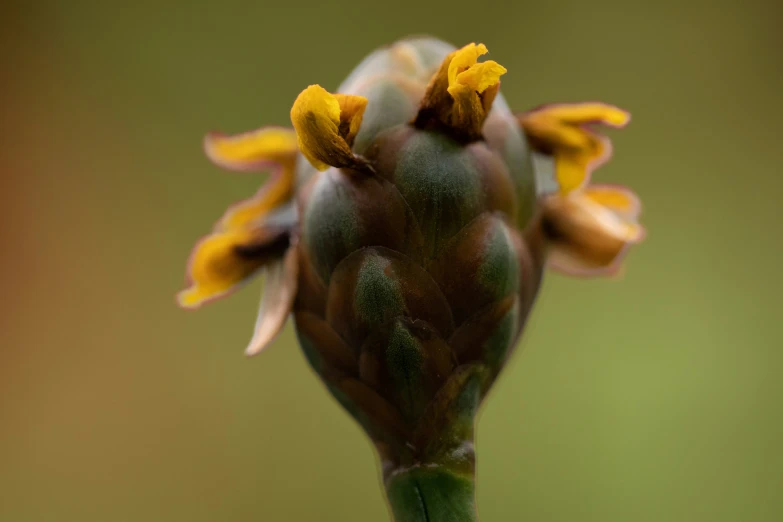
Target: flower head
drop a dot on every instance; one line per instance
(404, 228)
(590, 226)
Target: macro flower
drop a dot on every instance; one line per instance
(326, 125)
(253, 236)
(590, 225)
(405, 227)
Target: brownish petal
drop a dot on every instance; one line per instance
(277, 301)
(584, 237)
(222, 261)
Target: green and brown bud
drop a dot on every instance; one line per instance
(415, 280)
(408, 238)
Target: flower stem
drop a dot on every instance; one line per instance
(431, 493)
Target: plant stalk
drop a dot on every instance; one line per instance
(431, 493)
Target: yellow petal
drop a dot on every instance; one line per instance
(351, 113)
(573, 167)
(268, 148)
(482, 76)
(560, 130)
(221, 262)
(461, 93)
(277, 300)
(621, 200)
(589, 112)
(326, 125)
(465, 73)
(251, 151)
(586, 238)
(462, 59)
(273, 195)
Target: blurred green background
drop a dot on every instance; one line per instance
(658, 398)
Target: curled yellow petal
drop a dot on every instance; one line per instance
(326, 125)
(561, 131)
(479, 77)
(351, 113)
(251, 151)
(573, 167)
(618, 199)
(465, 74)
(268, 148)
(587, 237)
(273, 196)
(462, 59)
(254, 232)
(589, 112)
(222, 261)
(461, 93)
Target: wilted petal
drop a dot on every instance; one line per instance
(267, 148)
(573, 168)
(273, 198)
(587, 238)
(560, 130)
(351, 113)
(621, 200)
(251, 151)
(276, 302)
(326, 125)
(222, 261)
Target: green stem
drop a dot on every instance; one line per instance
(431, 493)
